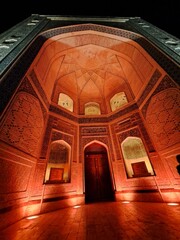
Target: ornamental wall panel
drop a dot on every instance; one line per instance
(14, 176)
(162, 117)
(131, 126)
(23, 124)
(90, 134)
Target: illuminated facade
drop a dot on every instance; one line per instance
(89, 112)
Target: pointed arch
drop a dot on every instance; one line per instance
(96, 141)
(98, 176)
(136, 160)
(58, 166)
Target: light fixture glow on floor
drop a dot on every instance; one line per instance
(77, 206)
(32, 217)
(172, 204)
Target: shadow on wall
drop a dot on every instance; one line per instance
(178, 166)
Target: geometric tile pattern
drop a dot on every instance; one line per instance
(166, 83)
(57, 129)
(23, 124)
(163, 118)
(155, 77)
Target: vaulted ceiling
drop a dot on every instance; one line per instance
(92, 67)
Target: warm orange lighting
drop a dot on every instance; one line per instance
(125, 202)
(172, 204)
(76, 206)
(32, 217)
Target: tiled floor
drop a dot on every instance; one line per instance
(101, 221)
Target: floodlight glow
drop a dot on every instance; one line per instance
(32, 217)
(172, 204)
(76, 206)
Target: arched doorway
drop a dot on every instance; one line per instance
(98, 182)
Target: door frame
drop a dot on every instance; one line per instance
(108, 159)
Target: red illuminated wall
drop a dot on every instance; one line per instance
(31, 122)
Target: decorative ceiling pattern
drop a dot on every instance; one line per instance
(93, 67)
(91, 73)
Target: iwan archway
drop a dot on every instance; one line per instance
(98, 180)
(109, 96)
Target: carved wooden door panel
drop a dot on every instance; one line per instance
(98, 184)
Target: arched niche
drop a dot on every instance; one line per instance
(136, 160)
(58, 166)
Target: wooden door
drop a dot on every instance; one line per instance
(98, 184)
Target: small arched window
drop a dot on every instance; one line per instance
(118, 100)
(136, 159)
(58, 166)
(92, 108)
(65, 101)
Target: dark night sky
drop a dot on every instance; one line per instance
(163, 14)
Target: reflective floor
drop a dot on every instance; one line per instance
(101, 221)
